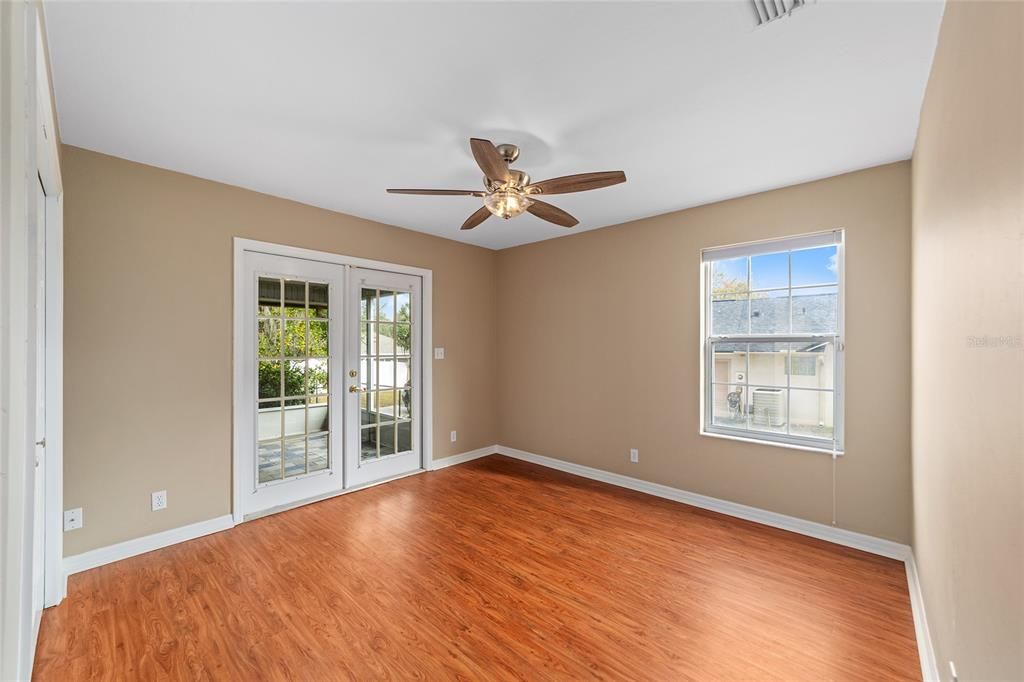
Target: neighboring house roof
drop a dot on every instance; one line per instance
(812, 313)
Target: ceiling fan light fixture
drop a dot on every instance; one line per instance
(507, 203)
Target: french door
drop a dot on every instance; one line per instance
(330, 392)
(385, 391)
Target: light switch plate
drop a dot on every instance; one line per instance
(634, 455)
(455, 436)
(439, 353)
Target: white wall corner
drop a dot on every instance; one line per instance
(925, 650)
(463, 457)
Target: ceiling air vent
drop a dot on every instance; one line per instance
(768, 11)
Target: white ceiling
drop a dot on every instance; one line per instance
(330, 103)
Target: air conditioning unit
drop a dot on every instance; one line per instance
(769, 407)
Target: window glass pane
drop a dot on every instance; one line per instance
(317, 417)
(294, 299)
(405, 403)
(403, 339)
(403, 306)
(294, 456)
(294, 417)
(729, 314)
(769, 271)
(368, 304)
(295, 377)
(268, 338)
(404, 436)
(768, 409)
(386, 405)
(769, 312)
(317, 448)
(387, 306)
(816, 310)
(387, 439)
(386, 339)
(729, 276)
(368, 408)
(368, 443)
(294, 338)
(810, 413)
(816, 266)
(318, 345)
(729, 363)
(270, 379)
(318, 300)
(269, 297)
(316, 377)
(730, 406)
(812, 364)
(268, 420)
(367, 338)
(767, 365)
(269, 458)
(403, 372)
(386, 373)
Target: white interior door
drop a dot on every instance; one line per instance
(384, 376)
(290, 416)
(39, 495)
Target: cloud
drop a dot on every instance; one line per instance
(833, 263)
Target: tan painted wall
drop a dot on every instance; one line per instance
(968, 239)
(599, 351)
(148, 322)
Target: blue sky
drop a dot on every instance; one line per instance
(771, 270)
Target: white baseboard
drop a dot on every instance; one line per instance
(929, 666)
(463, 457)
(847, 538)
(130, 548)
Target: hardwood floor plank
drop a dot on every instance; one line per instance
(494, 569)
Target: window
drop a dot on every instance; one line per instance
(773, 341)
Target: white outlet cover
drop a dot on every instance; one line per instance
(73, 519)
(439, 353)
(455, 436)
(634, 455)
(159, 500)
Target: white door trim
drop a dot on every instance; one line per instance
(241, 246)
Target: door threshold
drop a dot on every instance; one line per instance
(326, 496)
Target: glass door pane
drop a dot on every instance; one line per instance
(385, 373)
(293, 357)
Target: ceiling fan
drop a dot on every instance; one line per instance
(509, 193)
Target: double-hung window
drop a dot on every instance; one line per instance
(773, 335)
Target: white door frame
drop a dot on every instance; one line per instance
(240, 339)
(28, 132)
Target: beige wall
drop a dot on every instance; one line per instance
(148, 326)
(599, 351)
(968, 239)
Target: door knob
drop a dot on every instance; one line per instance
(355, 389)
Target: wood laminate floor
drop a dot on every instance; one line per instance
(495, 569)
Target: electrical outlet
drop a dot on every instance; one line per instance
(159, 500)
(439, 353)
(73, 519)
(455, 436)
(634, 455)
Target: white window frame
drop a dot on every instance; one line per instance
(832, 446)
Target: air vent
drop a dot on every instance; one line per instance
(767, 11)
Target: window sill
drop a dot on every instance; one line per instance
(771, 443)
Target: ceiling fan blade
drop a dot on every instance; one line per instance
(552, 214)
(478, 217)
(439, 192)
(489, 160)
(577, 183)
